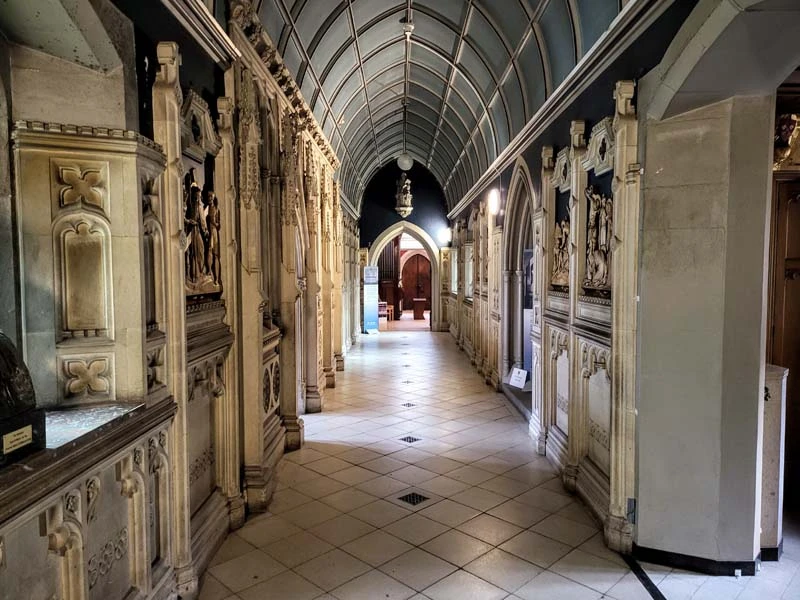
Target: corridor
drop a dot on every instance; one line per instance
(417, 481)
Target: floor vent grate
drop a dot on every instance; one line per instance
(413, 498)
(408, 405)
(410, 439)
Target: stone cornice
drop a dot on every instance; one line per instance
(81, 136)
(203, 27)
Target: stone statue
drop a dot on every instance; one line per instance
(404, 196)
(560, 275)
(212, 231)
(201, 222)
(598, 240)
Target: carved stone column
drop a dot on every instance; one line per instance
(315, 375)
(578, 432)
(338, 281)
(227, 425)
(624, 285)
(167, 102)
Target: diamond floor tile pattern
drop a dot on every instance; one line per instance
(496, 522)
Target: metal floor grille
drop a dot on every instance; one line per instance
(410, 439)
(408, 405)
(413, 498)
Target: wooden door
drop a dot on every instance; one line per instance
(785, 333)
(417, 281)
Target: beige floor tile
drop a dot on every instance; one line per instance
(471, 475)
(320, 487)
(416, 529)
(380, 487)
(596, 545)
(354, 475)
(537, 549)
(348, 499)
(519, 514)
(333, 569)
(503, 569)
(550, 585)
(580, 513)
(412, 475)
(304, 455)
(479, 499)
(286, 500)
(418, 569)
(297, 549)
(456, 547)
(233, 546)
(443, 486)
(440, 465)
(286, 586)
(464, 586)
(246, 570)
(377, 547)
(564, 530)
(267, 529)
(342, 529)
(544, 499)
(212, 589)
(505, 486)
(308, 515)
(380, 513)
(490, 529)
(629, 588)
(450, 513)
(384, 464)
(590, 570)
(372, 585)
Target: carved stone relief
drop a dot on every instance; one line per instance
(88, 378)
(202, 223)
(83, 266)
(598, 242)
(561, 241)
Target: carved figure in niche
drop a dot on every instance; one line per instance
(560, 275)
(404, 196)
(598, 240)
(211, 203)
(195, 228)
(202, 229)
(786, 132)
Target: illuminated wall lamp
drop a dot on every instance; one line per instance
(494, 201)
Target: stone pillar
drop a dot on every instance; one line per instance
(702, 331)
(227, 425)
(578, 409)
(167, 101)
(624, 291)
(315, 375)
(338, 268)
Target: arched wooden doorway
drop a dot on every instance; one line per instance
(416, 278)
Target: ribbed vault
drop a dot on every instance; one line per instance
(452, 94)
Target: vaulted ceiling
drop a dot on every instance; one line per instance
(452, 94)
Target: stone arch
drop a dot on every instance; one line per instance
(432, 251)
(517, 232)
(708, 62)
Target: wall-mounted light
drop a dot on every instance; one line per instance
(445, 235)
(494, 201)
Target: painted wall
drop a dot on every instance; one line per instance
(377, 212)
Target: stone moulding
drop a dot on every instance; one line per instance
(100, 133)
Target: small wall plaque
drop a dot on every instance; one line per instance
(518, 378)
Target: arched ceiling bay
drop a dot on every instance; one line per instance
(452, 94)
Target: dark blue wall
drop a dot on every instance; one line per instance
(377, 209)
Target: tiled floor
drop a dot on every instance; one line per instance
(492, 519)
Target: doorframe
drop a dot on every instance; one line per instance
(422, 236)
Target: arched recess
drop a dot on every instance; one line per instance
(517, 236)
(431, 249)
(409, 254)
